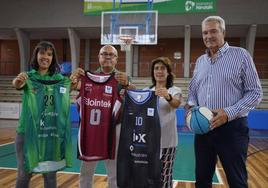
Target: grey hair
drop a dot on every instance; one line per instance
(109, 46)
(217, 19)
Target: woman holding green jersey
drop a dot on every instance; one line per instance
(43, 140)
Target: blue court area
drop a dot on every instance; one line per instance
(184, 163)
(257, 118)
(183, 168)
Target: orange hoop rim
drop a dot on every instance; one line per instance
(127, 39)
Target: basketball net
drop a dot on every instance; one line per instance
(126, 42)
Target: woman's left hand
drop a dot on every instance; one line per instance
(162, 92)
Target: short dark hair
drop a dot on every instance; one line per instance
(165, 61)
(45, 45)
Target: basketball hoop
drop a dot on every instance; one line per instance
(126, 42)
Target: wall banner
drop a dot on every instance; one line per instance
(95, 7)
(9, 110)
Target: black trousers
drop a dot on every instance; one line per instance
(230, 143)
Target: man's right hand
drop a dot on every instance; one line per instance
(75, 78)
(76, 75)
(122, 78)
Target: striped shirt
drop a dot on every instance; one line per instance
(229, 82)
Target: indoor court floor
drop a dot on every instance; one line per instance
(257, 163)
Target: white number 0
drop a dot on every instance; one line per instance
(95, 115)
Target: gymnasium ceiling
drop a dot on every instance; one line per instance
(51, 19)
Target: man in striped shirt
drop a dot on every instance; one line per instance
(226, 81)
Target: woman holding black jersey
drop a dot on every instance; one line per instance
(170, 98)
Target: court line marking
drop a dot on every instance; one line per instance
(61, 172)
(67, 172)
(218, 176)
(259, 136)
(7, 168)
(175, 182)
(250, 136)
(6, 143)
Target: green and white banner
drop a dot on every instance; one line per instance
(95, 7)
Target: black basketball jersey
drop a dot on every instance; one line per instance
(99, 105)
(138, 163)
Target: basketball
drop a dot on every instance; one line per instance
(198, 120)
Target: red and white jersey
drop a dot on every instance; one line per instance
(99, 105)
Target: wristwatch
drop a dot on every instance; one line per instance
(170, 98)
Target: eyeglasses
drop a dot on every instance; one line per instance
(105, 54)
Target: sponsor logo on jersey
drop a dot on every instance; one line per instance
(108, 89)
(51, 114)
(88, 88)
(150, 111)
(140, 158)
(139, 98)
(63, 90)
(139, 138)
(42, 123)
(97, 103)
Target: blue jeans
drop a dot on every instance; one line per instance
(23, 177)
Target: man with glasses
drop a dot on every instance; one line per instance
(108, 59)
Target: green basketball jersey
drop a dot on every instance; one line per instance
(47, 125)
